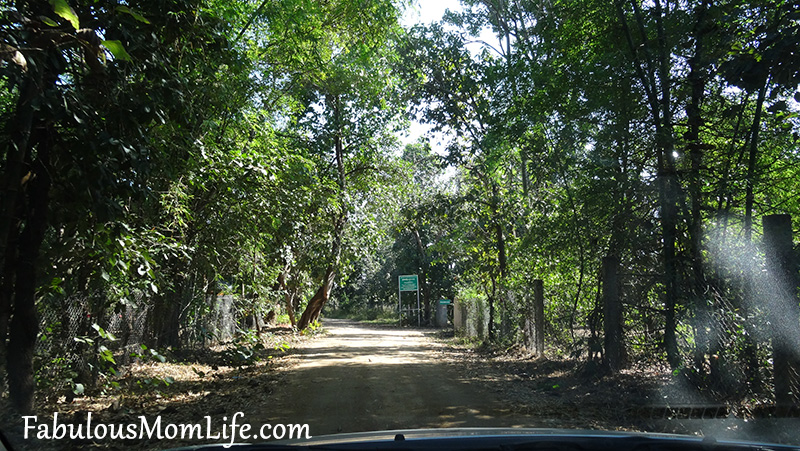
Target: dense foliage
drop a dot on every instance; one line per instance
(656, 133)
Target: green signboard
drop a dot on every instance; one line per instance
(408, 283)
(445, 301)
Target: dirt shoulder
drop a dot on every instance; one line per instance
(575, 394)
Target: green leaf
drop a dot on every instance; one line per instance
(134, 14)
(117, 49)
(106, 355)
(85, 340)
(78, 390)
(48, 21)
(61, 8)
(158, 356)
(103, 333)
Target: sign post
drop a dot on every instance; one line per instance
(408, 283)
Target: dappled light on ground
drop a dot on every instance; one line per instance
(361, 378)
(355, 377)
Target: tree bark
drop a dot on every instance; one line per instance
(423, 279)
(24, 326)
(499, 284)
(289, 298)
(525, 182)
(612, 315)
(16, 154)
(704, 325)
(751, 163)
(7, 288)
(670, 188)
(490, 298)
(659, 98)
(315, 304)
(320, 298)
(164, 317)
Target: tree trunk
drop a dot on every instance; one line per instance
(316, 303)
(612, 315)
(7, 288)
(669, 191)
(702, 310)
(659, 99)
(525, 182)
(289, 298)
(490, 332)
(24, 326)
(499, 284)
(16, 151)
(16, 154)
(751, 163)
(423, 279)
(164, 317)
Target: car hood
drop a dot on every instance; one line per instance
(472, 439)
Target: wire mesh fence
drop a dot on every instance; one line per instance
(78, 335)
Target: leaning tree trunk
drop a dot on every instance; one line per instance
(316, 303)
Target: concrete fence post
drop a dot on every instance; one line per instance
(612, 315)
(459, 318)
(782, 305)
(534, 320)
(538, 317)
(441, 315)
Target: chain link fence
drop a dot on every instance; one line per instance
(75, 332)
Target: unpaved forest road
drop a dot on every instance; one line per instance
(361, 378)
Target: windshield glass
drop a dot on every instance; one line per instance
(237, 221)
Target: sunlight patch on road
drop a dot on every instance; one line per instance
(362, 346)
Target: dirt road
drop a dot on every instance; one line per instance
(361, 378)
